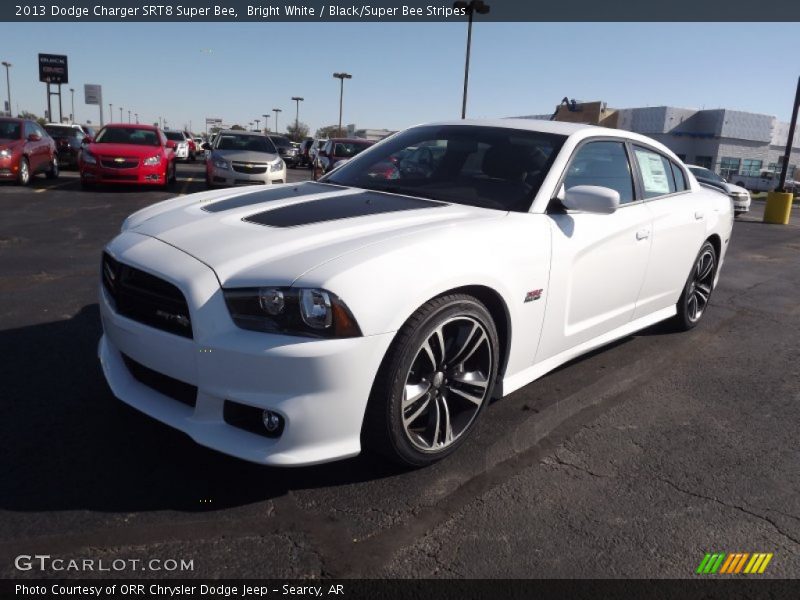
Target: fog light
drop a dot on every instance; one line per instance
(272, 421)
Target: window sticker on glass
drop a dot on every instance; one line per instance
(655, 176)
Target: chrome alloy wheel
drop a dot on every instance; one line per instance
(24, 172)
(447, 384)
(700, 286)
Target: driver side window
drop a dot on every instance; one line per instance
(604, 164)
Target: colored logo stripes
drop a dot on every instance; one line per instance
(736, 562)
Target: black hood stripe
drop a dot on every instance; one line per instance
(303, 189)
(340, 207)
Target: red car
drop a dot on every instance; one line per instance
(128, 154)
(192, 146)
(26, 149)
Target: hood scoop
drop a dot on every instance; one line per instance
(281, 193)
(339, 207)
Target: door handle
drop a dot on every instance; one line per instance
(698, 214)
(643, 234)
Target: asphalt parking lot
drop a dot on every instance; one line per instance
(631, 462)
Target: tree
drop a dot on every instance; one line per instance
(299, 133)
(28, 115)
(329, 132)
(237, 127)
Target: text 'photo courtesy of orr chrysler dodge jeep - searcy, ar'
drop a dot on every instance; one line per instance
(383, 306)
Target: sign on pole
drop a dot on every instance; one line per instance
(93, 93)
(53, 68)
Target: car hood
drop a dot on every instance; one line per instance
(273, 236)
(735, 189)
(123, 150)
(246, 156)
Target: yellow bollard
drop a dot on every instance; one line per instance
(778, 209)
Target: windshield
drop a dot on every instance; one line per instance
(127, 135)
(10, 130)
(175, 136)
(702, 173)
(490, 167)
(245, 143)
(348, 149)
(280, 141)
(60, 130)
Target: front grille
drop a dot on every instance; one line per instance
(163, 384)
(146, 298)
(128, 163)
(119, 177)
(249, 168)
(247, 182)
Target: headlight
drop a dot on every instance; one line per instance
(151, 161)
(220, 164)
(291, 311)
(5, 153)
(276, 166)
(88, 158)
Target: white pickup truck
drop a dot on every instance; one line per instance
(766, 181)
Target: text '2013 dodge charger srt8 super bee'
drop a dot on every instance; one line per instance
(386, 304)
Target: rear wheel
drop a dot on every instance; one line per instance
(434, 382)
(24, 174)
(53, 171)
(697, 291)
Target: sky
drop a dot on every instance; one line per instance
(403, 73)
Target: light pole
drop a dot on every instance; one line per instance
(129, 116)
(341, 77)
(266, 123)
(72, 97)
(276, 111)
(471, 7)
(120, 115)
(297, 100)
(8, 65)
(257, 122)
(110, 112)
(137, 117)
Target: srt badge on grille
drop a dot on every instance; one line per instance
(181, 320)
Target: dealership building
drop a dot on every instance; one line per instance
(731, 142)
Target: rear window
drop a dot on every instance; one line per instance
(280, 141)
(348, 149)
(63, 131)
(175, 136)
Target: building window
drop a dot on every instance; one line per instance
(728, 167)
(751, 167)
(707, 162)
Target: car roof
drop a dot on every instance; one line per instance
(239, 132)
(351, 140)
(133, 126)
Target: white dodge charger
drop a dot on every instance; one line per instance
(383, 306)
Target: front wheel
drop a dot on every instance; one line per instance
(697, 291)
(434, 382)
(24, 174)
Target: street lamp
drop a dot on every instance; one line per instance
(110, 112)
(472, 7)
(341, 77)
(8, 65)
(129, 116)
(72, 96)
(120, 115)
(276, 111)
(137, 117)
(266, 123)
(257, 122)
(297, 100)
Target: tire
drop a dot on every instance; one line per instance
(24, 176)
(696, 293)
(53, 171)
(449, 398)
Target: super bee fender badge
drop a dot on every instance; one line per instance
(533, 295)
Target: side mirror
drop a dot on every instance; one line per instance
(591, 199)
(34, 137)
(171, 144)
(206, 146)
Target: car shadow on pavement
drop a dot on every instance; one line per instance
(68, 444)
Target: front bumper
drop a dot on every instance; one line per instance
(141, 175)
(229, 177)
(319, 387)
(741, 203)
(9, 167)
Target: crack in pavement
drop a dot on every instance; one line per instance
(746, 511)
